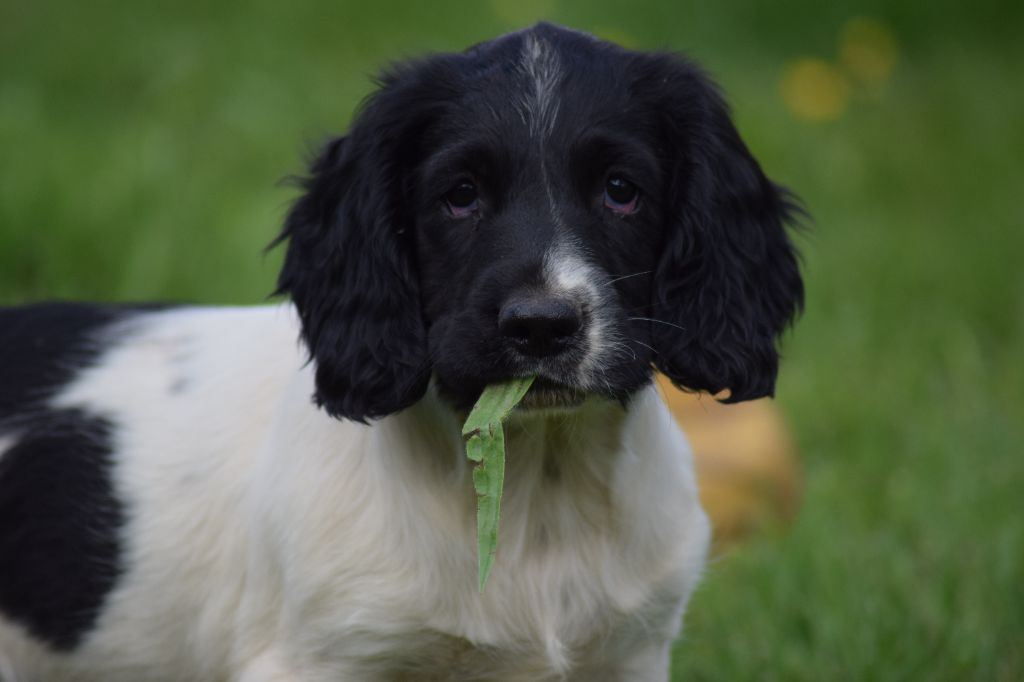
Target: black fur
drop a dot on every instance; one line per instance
(60, 522)
(728, 278)
(393, 284)
(43, 347)
(349, 270)
(60, 517)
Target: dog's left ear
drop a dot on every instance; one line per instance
(349, 267)
(728, 281)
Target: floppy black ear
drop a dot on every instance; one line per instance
(349, 267)
(728, 281)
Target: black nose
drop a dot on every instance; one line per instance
(539, 325)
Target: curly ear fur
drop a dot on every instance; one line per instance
(349, 266)
(728, 275)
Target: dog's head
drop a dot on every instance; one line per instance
(544, 203)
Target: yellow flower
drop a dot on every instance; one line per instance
(815, 90)
(868, 51)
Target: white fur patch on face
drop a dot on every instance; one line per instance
(6, 443)
(540, 107)
(566, 273)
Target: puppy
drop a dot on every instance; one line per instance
(281, 493)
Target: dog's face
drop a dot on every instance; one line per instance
(542, 204)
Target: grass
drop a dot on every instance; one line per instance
(142, 149)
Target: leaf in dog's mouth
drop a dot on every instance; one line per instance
(485, 445)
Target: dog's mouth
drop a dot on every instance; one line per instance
(545, 394)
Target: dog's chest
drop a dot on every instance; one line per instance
(552, 608)
(543, 626)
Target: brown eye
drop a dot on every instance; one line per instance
(462, 200)
(620, 195)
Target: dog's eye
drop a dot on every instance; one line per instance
(462, 200)
(621, 195)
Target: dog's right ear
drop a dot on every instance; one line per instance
(349, 266)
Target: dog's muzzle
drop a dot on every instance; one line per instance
(546, 331)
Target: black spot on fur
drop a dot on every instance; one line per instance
(60, 520)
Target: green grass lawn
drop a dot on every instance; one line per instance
(140, 154)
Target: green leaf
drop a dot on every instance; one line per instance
(495, 403)
(486, 446)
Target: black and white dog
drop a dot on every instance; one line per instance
(185, 496)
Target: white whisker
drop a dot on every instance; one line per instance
(641, 343)
(651, 319)
(635, 274)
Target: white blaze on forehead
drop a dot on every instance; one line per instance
(540, 105)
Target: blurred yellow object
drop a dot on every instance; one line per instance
(815, 90)
(867, 50)
(745, 461)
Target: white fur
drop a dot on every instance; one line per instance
(542, 67)
(269, 542)
(539, 105)
(6, 443)
(568, 274)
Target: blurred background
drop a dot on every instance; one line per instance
(142, 145)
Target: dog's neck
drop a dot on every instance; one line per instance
(561, 468)
(542, 445)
